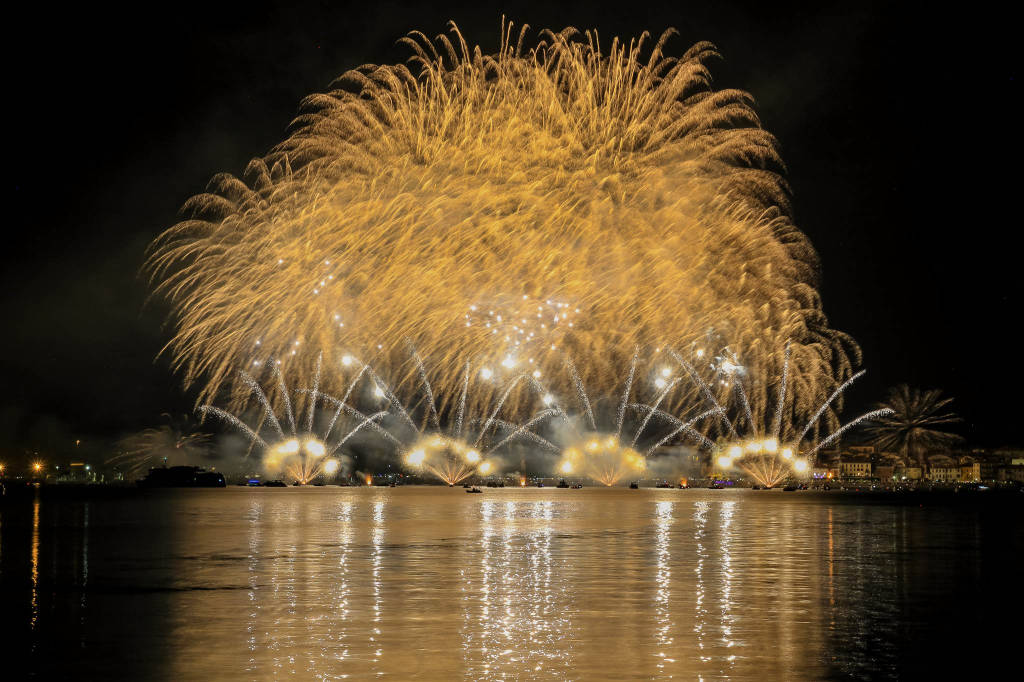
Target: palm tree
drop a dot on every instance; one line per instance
(915, 426)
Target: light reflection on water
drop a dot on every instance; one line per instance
(511, 584)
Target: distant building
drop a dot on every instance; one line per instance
(970, 471)
(913, 473)
(858, 467)
(1011, 472)
(885, 472)
(944, 473)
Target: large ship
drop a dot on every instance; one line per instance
(182, 477)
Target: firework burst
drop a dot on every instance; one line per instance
(603, 198)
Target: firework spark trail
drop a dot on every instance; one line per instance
(525, 426)
(581, 393)
(869, 415)
(542, 391)
(684, 426)
(653, 408)
(426, 387)
(824, 405)
(285, 398)
(268, 411)
(365, 422)
(625, 395)
(461, 414)
(348, 409)
(705, 391)
(777, 420)
(408, 193)
(315, 391)
(529, 435)
(746, 403)
(232, 420)
(385, 390)
(497, 408)
(344, 399)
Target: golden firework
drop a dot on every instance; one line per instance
(614, 187)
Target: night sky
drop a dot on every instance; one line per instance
(898, 129)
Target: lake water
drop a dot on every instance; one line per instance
(431, 583)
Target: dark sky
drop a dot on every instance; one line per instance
(899, 130)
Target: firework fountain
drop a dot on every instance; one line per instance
(464, 445)
(604, 454)
(767, 451)
(295, 447)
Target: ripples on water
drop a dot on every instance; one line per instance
(512, 584)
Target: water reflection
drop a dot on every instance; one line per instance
(663, 590)
(35, 561)
(533, 584)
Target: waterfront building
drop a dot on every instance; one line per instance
(856, 466)
(1011, 472)
(970, 471)
(944, 473)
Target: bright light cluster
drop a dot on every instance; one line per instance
(765, 460)
(450, 459)
(602, 457)
(302, 459)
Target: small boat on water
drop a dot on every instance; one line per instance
(789, 488)
(664, 485)
(474, 490)
(634, 485)
(715, 486)
(562, 484)
(576, 486)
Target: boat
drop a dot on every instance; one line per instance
(562, 484)
(474, 490)
(576, 486)
(715, 486)
(789, 488)
(275, 484)
(663, 485)
(634, 485)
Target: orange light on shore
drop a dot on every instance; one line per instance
(37, 467)
(522, 482)
(369, 480)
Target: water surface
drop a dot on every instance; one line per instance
(431, 583)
